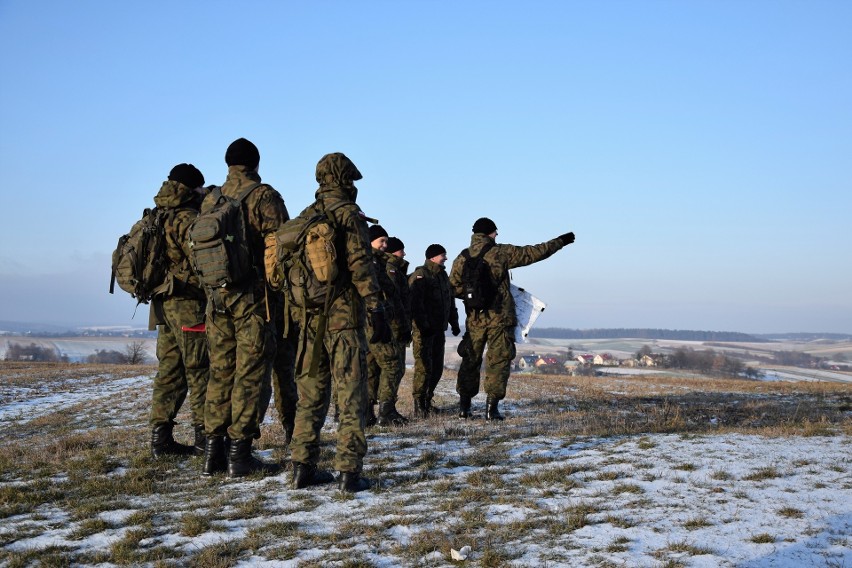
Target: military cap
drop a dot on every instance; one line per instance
(484, 225)
(188, 175)
(377, 231)
(434, 250)
(394, 245)
(241, 152)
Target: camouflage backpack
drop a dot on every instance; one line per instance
(478, 289)
(139, 262)
(307, 262)
(218, 241)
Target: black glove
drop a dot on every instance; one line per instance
(381, 329)
(566, 239)
(456, 330)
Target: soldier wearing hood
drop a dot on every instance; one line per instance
(333, 343)
(178, 310)
(493, 325)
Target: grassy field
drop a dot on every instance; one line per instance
(639, 471)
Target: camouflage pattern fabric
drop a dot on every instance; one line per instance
(343, 348)
(384, 372)
(343, 365)
(401, 324)
(395, 268)
(433, 310)
(498, 360)
(241, 339)
(428, 363)
(282, 384)
(433, 305)
(183, 363)
(493, 327)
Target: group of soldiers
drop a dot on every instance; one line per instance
(232, 350)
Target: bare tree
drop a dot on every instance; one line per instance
(135, 353)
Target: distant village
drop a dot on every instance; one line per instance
(582, 364)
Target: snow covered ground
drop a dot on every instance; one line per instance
(698, 500)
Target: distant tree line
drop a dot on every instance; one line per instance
(134, 354)
(805, 336)
(33, 352)
(644, 333)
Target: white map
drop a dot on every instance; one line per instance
(527, 309)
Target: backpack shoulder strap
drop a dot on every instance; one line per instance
(246, 191)
(485, 249)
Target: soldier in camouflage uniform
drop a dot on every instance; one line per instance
(401, 324)
(384, 369)
(241, 336)
(494, 325)
(433, 309)
(178, 308)
(337, 339)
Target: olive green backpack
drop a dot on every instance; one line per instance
(139, 262)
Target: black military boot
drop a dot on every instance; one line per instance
(491, 411)
(163, 442)
(420, 408)
(200, 441)
(371, 414)
(241, 462)
(464, 407)
(352, 482)
(388, 416)
(305, 475)
(215, 456)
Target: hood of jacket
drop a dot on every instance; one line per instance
(337, 171)
(477, 241)
(175, 194)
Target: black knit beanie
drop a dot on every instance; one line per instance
(241, 152)
(377, 231)
(434, 250)
(188, 175)
(484, 225)
(394, 245)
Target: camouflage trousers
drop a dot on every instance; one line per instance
(384, 371)
(242, 346)
(498, 360)
(183, 362)
(341, 361)
(281, 383)
(428, 363)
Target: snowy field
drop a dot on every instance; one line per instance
(521, 493)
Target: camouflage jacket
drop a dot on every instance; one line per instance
(385, 272)
(500, 259)
(397, 269)
(264, 206)
(182, 204)
(357, 273)
(433, 305)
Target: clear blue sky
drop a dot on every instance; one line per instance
(701, 151)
